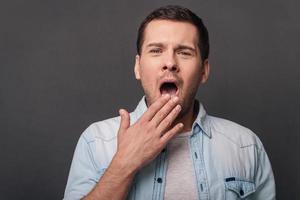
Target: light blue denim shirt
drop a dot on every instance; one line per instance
(229, 161)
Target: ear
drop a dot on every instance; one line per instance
(137, 67)
(204, 71)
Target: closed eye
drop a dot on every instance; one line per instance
(156, 50)
(185, 53)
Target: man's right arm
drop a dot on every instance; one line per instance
(138, 145)
(114, 184)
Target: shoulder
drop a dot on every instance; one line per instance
(234, 132)
(105, 130)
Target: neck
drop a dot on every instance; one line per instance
(188, 118)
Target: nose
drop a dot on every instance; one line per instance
(170, 63)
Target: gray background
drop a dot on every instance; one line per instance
(66, 64)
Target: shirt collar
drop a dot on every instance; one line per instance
(201, 121)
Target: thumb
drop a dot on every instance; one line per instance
(125, 120)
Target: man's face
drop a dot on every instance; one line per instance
(170, 62)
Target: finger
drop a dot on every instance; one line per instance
(171, 133)
(164, 111)
(169, 119)
(156, 106)
(125, 120)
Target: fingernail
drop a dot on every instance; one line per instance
(175, 99)
(121, 111)
(167, 96)
(178, 107)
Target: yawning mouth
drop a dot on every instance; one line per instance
(168, 88)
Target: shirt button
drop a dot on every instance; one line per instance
(241, 192)
(159, 180)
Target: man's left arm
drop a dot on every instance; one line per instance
(264, 179)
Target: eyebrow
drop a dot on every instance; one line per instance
(179, 47)
(182, 47)
(155, 44)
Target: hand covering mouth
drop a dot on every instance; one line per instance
(168, 88)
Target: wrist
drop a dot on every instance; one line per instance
(122, 167)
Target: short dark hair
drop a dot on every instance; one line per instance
(176, 13)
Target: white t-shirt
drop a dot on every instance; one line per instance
(180, 177)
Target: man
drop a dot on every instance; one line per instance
(169, 148)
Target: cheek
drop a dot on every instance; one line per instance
(192, 78)
(149, 69)
(190, 86)
(148, 78)
(148, 74)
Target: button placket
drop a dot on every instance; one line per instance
(160, 172)
(197, 148)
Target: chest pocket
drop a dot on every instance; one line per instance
(238, 189)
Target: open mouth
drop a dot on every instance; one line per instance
(168, 88)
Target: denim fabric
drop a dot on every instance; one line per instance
(229, 161)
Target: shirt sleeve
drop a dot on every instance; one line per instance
(264, 179)
(83, 174)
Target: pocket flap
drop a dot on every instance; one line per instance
(242, 188)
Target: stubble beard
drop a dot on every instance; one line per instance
(187, 106)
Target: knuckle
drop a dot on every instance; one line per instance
(161, 114)
(142, 122)
(148, 127)
(139, 123)
(174, 113)
(165, 110)
(150, 109)
(170, 105)
(161, 143)
(166, 123)
(154, 106)
(173, 131)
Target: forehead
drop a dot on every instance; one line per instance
(167, 31)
